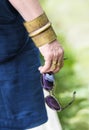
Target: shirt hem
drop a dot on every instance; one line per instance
(24, 123)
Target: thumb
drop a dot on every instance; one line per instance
(45, 68)
(39, 68)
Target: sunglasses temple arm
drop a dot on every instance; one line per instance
(69, 102)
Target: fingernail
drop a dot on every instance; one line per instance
(40, 68)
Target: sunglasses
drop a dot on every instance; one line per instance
(48, 83)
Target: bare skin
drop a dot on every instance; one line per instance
(31, 9)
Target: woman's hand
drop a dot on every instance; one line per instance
(53, 55)
(53, 52)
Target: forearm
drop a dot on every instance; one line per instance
(41, 33)
(29, 9)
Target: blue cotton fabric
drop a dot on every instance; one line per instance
(21, 96)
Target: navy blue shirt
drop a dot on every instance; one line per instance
(21, 96)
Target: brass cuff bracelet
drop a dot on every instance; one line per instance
(40, 30)
(36, 23)
(44, 37)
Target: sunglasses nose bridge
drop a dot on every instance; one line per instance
(51, 93)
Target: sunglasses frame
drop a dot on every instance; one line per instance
(51, 94)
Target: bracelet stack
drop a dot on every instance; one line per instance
(40, 30)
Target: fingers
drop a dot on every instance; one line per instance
(59, 62)
(52, 65)
(46, 67)
(53, 56)
(59, 66)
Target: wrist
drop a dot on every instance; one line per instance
(40, 30)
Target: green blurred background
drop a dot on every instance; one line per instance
(70, 20)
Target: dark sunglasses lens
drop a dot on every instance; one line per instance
(46, 83)
(52, 103)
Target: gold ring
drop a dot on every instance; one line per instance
(58, 64)
(53, 67)
(54, 63)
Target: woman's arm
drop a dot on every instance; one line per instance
(29, 9)
(53, 52)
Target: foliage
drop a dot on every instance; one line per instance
(74, 75)
(76, 116)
